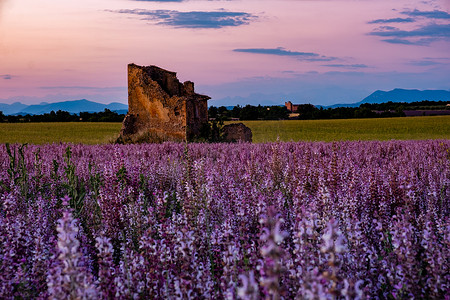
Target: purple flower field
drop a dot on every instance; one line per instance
(346, 220)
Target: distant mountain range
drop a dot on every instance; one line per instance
(400, 95)
(77, 106)
(74, 107)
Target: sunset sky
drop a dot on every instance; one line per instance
(236, 51)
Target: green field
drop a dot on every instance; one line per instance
(406, 128)
(44, 133)
(409, 128)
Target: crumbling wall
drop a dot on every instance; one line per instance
(160, 107)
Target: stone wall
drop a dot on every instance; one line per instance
(160, 107)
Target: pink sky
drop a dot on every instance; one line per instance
(239, 51)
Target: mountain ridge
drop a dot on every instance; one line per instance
(399, 95)
(72, 106)
(83, 105)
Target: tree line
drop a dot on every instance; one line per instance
(64, 116)
(250, 112)
(311, 112)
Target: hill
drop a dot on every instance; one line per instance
(74, 107)
(400, 95)
(10, 109)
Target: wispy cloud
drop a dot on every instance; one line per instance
(435, 14)
(431, 27)
(393, 20)
(402, 42)
(420, 36)
(346, 73)
(321, 58)
(276, 51)
(192, 19)
(280, 51)
(347, 66)
(438, 58)
(432, 30)
(424, 63)
(381, 28)
(6, 77)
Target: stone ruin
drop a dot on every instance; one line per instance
(160, 108)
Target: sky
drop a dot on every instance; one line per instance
(236, 51)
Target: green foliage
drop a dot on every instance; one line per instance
(419, 105)
(122, 176)
(211, 132)
(39, 174)
(54, 173)
(64, 116)
(95, 181)
(17, 170)
(146, 193)
(311, 112)
(249, 112)
(76, 189)
(173, 206)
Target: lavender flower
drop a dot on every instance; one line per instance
(345, 220)
(70, 280)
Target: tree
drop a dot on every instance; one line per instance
(212, 112)
(249, 112)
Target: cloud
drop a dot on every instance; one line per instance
(381, 28)
(346, 74)
(280, 51)
(192, 19)
(401, 42)
(321, 58)
(426, 34)
(432, 30)
(436, 29)
(394, 20)
(435, 14)
(438, 58)
(424, 63)
(276, 51)
(348, 66)
(6, 77)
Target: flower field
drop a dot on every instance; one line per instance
(344, 220)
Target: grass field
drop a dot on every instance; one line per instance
(44, 133)
(406, 128)
(409, 128)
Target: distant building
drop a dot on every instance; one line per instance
(293, 108)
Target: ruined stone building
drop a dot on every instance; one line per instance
(291, 107)
(161, 108)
